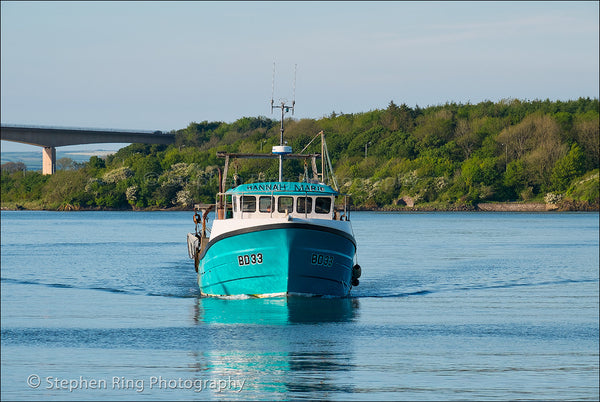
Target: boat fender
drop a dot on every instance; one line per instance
(355, 282)
(193, 244)
(356, 271)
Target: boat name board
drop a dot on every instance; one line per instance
(292, 187)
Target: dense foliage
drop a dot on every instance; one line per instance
(446, 156)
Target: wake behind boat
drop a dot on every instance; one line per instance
(276, 238)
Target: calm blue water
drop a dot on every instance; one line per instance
(467, 306)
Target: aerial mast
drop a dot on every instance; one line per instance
(282, 149)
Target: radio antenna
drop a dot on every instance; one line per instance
(273, 87)
(283, 148)
(294, 89)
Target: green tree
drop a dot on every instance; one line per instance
(434, 129)
(568, 168)
(96, 163)
(67, 187)
(586, 131)
(515, 178)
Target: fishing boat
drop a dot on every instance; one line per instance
(276, 238)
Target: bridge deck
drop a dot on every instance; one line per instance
(51, 137)
(58, 136)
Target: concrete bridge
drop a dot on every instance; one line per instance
(51, 137)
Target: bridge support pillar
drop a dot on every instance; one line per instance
(49, 160)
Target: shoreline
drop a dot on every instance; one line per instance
(563, 206)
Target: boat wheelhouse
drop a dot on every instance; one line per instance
(283, 200)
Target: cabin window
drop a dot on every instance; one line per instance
(248, 203)
(234, 203)
(265, 204)
(323, 205)
(304, 205)
(285, 204)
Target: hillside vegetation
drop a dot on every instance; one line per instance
(450, 156)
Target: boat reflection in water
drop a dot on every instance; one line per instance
(275, 311)
(284, 348)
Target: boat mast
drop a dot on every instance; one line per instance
(282, 149)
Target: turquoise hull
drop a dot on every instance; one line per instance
(288, 258)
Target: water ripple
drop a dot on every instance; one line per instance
(459, 287)
(141, 292)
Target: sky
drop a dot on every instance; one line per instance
(161, 65)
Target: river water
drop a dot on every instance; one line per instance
(451, 306)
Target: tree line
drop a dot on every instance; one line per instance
(443, 157)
